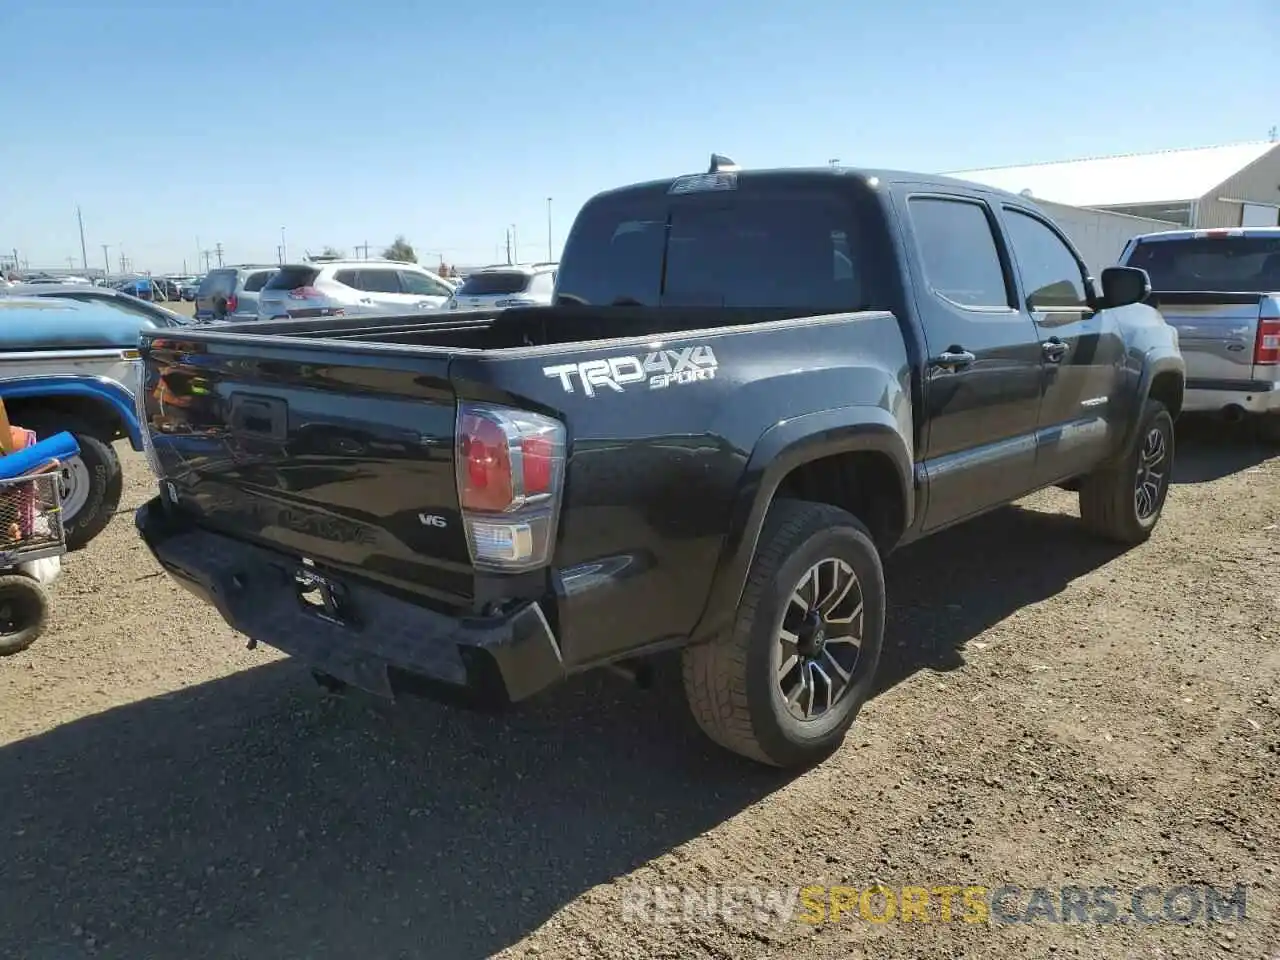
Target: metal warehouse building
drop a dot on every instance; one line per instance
(1228, 186)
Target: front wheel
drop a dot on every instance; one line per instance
(91, 484)
(1123, 502)
(786, 682)
(24, 607)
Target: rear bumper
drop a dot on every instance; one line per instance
(383, 641)
(1211, 396)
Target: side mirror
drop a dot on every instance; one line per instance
(1122, 286)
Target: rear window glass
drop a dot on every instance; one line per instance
(498, 282)
(218, 282)
(792, 248)
(290, 278)
(255, 281)
(1211, 265)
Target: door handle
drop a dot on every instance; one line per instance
(953, 358)
(1054, 350)
(366, 299)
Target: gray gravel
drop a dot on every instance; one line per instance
(1052, 711)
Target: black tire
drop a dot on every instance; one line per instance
(24, 608)
(731, 683)
(1109, 501)
(106, 478)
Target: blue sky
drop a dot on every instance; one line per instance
(352, 122)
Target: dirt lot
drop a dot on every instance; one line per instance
(1052, 712)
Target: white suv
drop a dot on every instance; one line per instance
(496, 288)
(331, 287)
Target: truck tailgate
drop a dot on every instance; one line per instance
(343, 457)
(1216, 331)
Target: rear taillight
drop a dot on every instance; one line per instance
(304, 293)
(510, 466)
(1266, 348)
(232, 303)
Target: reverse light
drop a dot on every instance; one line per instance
(510, 468)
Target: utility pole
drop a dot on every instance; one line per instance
(71, 263)
(206, 254)
(515, 245)
(508, 246)
(84, 254)
(550, 256)
(217, 248)
(834, 162)
(199, 252)
(284, 251)
(106, 260)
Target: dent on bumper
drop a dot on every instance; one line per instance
(491, 659)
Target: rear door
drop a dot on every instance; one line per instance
(982, 384)
(381, 291)
(216, 290)
(1082, 350)
(424, 292)
(1210, 285)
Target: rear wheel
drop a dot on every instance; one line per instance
(1123, 502)
(24, 608)
(787, 681)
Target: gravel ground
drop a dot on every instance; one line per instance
(1052, 712)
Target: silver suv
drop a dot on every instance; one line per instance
(496, 288)
(332, 287)
(231, 293)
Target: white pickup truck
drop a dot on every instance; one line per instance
(1220, 289)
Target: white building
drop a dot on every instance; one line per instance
(1227, 186)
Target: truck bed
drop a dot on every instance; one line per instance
(510, 329)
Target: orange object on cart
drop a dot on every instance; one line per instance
(18, 506)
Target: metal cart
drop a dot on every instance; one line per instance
(31, 531)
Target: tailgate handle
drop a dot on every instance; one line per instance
(259, 416)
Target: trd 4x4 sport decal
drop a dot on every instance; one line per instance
(660, 369)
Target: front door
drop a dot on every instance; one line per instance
(982, 376)
(1083, 351)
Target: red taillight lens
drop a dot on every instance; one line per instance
(232, 303)
(510, 466)
(488, 483)
(538, 454)
(1266, 349)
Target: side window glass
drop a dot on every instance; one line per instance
(417, 284)
(256, 281)
(379, 281)
(348, 278)
(542, 284)
(1050, 272)
(959, 252)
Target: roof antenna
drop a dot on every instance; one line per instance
(722, 164)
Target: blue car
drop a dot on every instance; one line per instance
(72, 365)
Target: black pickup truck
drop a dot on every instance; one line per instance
(750, 388)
